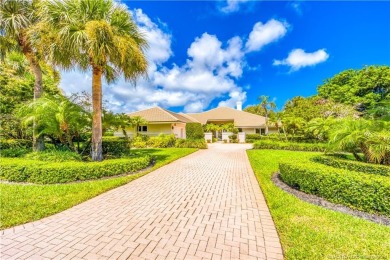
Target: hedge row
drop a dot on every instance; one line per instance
(184, 143)
(112, 145)
(313, 147)
(19, 170)
(194, 131)
(353, 165)
(15, 143)
(370, 193)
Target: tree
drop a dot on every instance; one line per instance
(58, 118)
(370, 137)
(137, 121)
(17, 17)
(362, 89)
(16, 88)
(268, 107)
(115, 122)
(100, 36)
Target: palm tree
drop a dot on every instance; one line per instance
(58, 118)
(17, 18)
(268, 106)
(136, 121)
(98, 36)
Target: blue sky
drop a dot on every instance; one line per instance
(205, 54)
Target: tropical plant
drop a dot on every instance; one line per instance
(268, 107)
(58, 118)
(137, 121)
(99, 36)
(115, 122)
(17, 18)
(372, 138)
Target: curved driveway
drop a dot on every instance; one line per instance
(207, 205)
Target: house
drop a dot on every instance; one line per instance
(162, 121)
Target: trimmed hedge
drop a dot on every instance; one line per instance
(113, 145)
(19, 170)
(312, 147)
(194, 131)
(54, 156)
(15, 152)
(161, 141)
(184, 143)
(353, 165)
(370, 193)
(253, 136)
(15, 143)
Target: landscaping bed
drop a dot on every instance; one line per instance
(308, 231)
(278, 145)
(25, 203)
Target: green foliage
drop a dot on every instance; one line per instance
(56, 117)
(14, 152)
(14, 143)
(352, 165)
(267, 144)
(253, 136)
(113, 122)
(371, 137)
(233, 138)
(360, 88)
(308, 231)
(161, 141)
(185, 143)
(26, 203)
(17, 84)
(115, 146)
(357, 190)
(194, 131)
(21, 170)
(53, 156)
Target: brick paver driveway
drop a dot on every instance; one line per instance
(207, 205)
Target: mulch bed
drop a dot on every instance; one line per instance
(313, 199)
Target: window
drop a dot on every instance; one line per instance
(142, 128)
(262, 131)
(257, 130)
(240, 130)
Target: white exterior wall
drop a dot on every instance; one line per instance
(179, 130)
(249, 130)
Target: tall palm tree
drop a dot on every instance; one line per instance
(98, 36)
(268, 106)
(17, 18)
(137, 121)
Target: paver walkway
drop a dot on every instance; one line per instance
(207, 205)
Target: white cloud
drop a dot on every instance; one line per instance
(263, 34)
(298, 59)
(231, 6)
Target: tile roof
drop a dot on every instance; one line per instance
(158, 114)
(240, 118)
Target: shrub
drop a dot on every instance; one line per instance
(253, 136)
(194, 131)
(185, 143)
(215, 140)
(115, 146)
(161, 141)
(14, 152)
(139, 144)
(48, 173)
(233, 138)
(353, 165)
(319, 147)
(15, 143)
(359, 191)
(53, 156)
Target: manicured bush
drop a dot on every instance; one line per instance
(194, 131)
(21, 170)
(161, 141)
(253, 136)
(353, 165)
(233, 138)
(115, 146)
(184, 143)
(319, 147)
(14, 152)
(15, 143)
(364, 192)
(54, 156)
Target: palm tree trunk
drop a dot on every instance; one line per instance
(38, 141)
(96, 146)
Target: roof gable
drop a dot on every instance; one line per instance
(158, 114)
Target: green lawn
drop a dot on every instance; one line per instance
(25, 203)
(311, 232)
